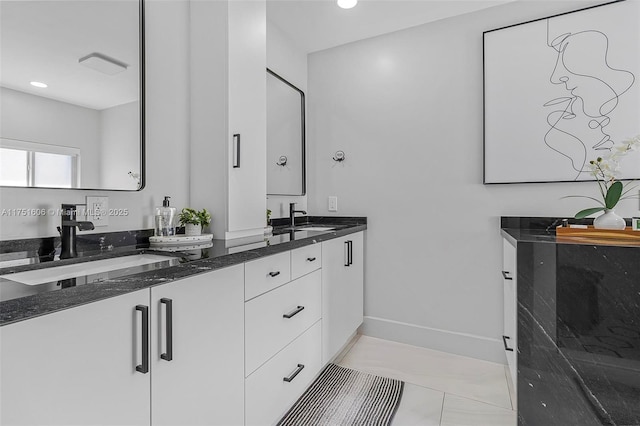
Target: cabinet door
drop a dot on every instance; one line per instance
(342, 291)
(247, 117)
(198, 376)
(77, 366)
(510, 337)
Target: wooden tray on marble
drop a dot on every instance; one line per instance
(591, 234)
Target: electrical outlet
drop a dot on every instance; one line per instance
(98, 211)
(333, 203)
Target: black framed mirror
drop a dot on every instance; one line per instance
(286, 167)
(72, 94)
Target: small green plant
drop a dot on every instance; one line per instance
(606, 170)
(268, 217)
(194, 217)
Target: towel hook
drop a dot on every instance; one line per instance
(339, 156)
(282, 161)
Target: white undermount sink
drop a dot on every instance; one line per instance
(315, 228)
(56, 273)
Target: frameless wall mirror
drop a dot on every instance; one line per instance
(71, 94)
(285, 137)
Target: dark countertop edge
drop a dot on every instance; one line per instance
(16, 310)
(543, 230)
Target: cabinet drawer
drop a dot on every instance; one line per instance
(305, 259)
(265, 274)
(267, 330)
(267, 395)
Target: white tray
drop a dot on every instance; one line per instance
(181, 239)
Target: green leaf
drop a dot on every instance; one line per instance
(587, 212)
(613, 195)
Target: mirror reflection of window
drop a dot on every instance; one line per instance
(53, 170)
(13, 167)
(38, 165)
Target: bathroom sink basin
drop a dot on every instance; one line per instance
(56, 273)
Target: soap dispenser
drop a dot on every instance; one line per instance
(165, 219)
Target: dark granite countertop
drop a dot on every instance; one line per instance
(20, 302)
(543, 230)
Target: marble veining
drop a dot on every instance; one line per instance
(192, 262)
(578, 331)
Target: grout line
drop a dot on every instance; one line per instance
(506, 376)
(442, 409)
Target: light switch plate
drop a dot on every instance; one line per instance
(98, 211)
(333, 203)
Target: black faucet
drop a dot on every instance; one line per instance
(292, 213)
(68, 230)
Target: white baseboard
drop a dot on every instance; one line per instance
(464, 344)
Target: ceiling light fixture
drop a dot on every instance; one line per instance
(39, 84)
(103, 63)
(347, 4)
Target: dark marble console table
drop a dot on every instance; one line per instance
(578, 325)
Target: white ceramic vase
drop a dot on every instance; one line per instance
(191, 230)
(609, 220)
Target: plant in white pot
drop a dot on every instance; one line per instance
(193, 220)
(605, 170)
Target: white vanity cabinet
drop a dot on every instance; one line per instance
(247, 172)
(342, 291)
(510, 287)
(77, 366)
(283, 337)
(197, 350)
(228, 114)
(88, 365)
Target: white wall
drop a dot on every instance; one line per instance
(407, 110)
(120, 146)
(290, 62)
(167, 133)
(31, 118)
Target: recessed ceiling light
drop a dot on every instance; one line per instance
(347, 4)
(39, 84)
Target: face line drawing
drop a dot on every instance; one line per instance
(602, 98)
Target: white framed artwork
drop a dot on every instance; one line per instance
(561, 91)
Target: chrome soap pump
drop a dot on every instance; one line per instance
(165, 219)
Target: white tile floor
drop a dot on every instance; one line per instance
(441, 389)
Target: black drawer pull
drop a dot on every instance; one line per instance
(144, 367)
(505, 275)
(294, 374)
(310, 259)
(168, 356)
(274, 274)
(293, 313)
(504, 340)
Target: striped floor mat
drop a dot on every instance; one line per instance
(341, 396)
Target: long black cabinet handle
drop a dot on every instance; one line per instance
(311, 259)
(505, 275)
(293, 313)
(293, 375)
(274, 274)
(350, 252)
(168, 355)
(236, 151)
(504, 340)
(144, 367)
(346, 253)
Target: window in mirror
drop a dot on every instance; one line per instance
(285, 137)
(30, 164)
(89, 56)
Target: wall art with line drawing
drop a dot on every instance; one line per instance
(561, 91)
